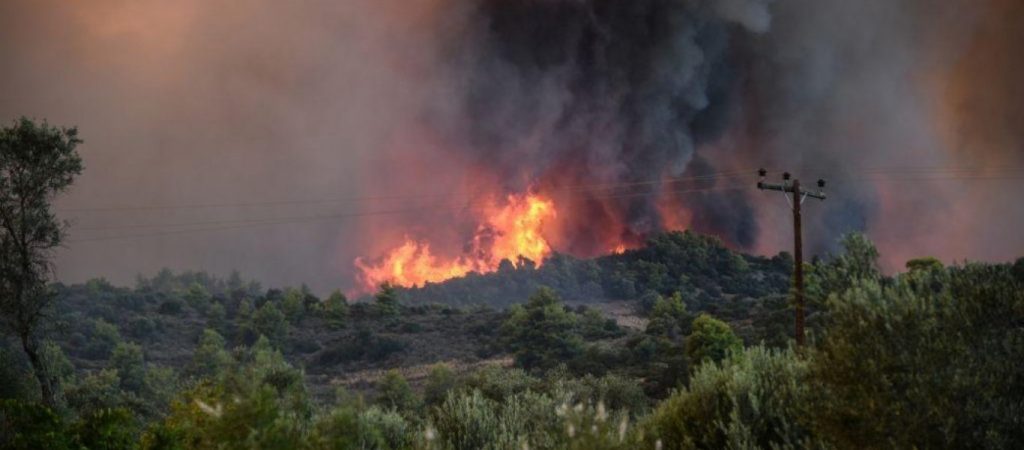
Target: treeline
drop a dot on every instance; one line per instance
(926, 359)
(699, 266)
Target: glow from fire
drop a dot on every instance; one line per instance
(510, 230)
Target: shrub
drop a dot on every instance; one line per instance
(269, 321)
(470, 422)
(210, 357)
(107, 429)
(711, 340)
(385, 302)
(440, 380)
(930, 360)
(753, 399)
(142, 327)
(127, 359)
(393, 392)
(335, 309)
(104, 338)
(171, 307)
(96, 391)
(364, 345)
(31, 426)
(542, 334)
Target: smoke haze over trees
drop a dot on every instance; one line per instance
(198, 102)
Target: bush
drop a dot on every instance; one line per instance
(335, 309)
(930, 360)
(542, 334)
(96, 391)
(171, 307)
(103, 339)
(127, 359)
(385, 302)
(753, 399)
(210, 358)
(364, 345)
(269, 321)
(440, 380)
(107, 429)
(30, 426)
(711, 340)
(142, 327)
(394, 393)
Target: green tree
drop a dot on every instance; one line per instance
(269, 321)
(393, 392)
(127, 359)
(197, 297)
(669, 318)
(757, 398)
(386, 301)
(926, 264)
(859, 261)
(293, 305)
(335, 309)
(37, 162)
(210, 358)
(105, 336)
(904, 364)
(542, 333)
(440, 380)
(711, 340)
(260, 402)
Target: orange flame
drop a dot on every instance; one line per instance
(510, 231)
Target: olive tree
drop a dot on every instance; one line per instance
(37, 162)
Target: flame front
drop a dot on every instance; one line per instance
(512, 230)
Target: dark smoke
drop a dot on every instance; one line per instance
(599, 91)
(197, 101)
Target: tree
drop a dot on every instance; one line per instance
(335, 309)
(440, 380)
(859, 261)
(386, 301)
(908, 365)
(669, 318)
(711, 340)
(37, 162)
(269, 321)
(210, 357)
(757, 398)
(127, 359)
(926, 264)
(542, 333)
(393, 392)
(293, 305)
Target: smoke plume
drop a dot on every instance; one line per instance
(202, 118)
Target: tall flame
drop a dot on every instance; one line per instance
(512, 230)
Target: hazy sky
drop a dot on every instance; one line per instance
(221, 115)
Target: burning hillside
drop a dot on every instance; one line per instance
(511, 230)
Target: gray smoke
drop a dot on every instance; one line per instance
(581, 92)
(206, 102)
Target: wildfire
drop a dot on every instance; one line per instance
(511, 230)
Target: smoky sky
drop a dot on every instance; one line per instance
(602, 91)
(203, 112)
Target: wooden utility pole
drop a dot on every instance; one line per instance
(799, 195)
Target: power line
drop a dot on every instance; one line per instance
(710, 176)
(230, 225)
(568, 188)
(869, 174)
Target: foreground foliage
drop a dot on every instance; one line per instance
(926, 359)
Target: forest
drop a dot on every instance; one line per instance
(679, 343)
(928, 358)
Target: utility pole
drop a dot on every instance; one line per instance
(799, 195)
